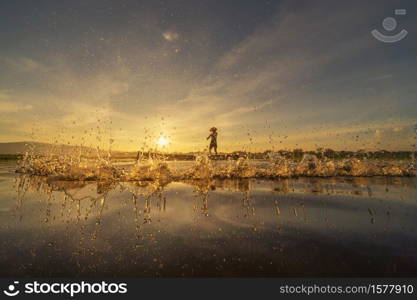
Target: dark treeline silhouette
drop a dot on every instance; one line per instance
(296, 154)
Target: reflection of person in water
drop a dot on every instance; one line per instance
(213, 141)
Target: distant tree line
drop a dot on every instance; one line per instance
(297, 154)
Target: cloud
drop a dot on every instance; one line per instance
(378, 133)
(13, 107)
(170, 36)
(4, 95)
(246, 109)
(24, 64)
(308, 72)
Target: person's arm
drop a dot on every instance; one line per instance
(208, 137)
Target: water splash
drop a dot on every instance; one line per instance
(78, 165)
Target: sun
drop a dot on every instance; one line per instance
(162, 141)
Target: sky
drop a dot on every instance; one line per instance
(268, 74)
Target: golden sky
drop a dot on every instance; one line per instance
(267, 74)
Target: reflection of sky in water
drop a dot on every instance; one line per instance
(301, 227)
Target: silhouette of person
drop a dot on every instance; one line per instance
(213, 141)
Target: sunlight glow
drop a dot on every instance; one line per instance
(162, 141)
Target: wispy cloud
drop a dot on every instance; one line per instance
(170, 36)
(23, 64)
(12, 107)
(307, 71)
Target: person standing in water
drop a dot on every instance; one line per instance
(213, 141)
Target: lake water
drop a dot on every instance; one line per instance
(337, 226)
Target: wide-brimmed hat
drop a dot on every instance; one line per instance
(213, 129)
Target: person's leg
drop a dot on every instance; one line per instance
(215, 149)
